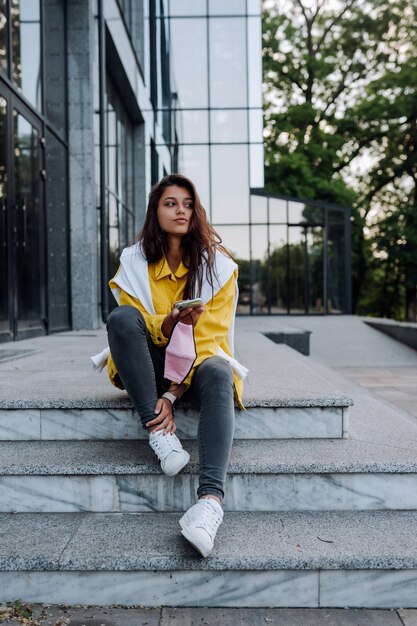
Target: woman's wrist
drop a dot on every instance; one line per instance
(166, 326)
(177, 390)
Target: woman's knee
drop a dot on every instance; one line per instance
(216, 371)
(124, 317)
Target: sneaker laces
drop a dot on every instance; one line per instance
(165, 444)
(211, 517)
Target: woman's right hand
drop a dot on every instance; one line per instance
(188, 316)
(164, 418)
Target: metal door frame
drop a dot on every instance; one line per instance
(15, 103)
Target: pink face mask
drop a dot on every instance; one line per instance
(180, 353)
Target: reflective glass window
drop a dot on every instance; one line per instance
(259, 205)
(228, 75)
(3, 36)
(229, 126)
(256, 122)
(193, 126)
(189, 44)
(4, 287)
(230, 184)
(26, 46)
(278, 269)
(259, 270)
(277, 210)
(55, 92)
(254, 7)
(236, 239)
(187, 7)
(300, 212)
(256, 154)
(297, 288)
(254, 25)
(227, 7)
(194, 163)
(119, 176)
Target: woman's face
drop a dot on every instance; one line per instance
(174, 211)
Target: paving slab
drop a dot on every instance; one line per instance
(408, 617)
(191, 616)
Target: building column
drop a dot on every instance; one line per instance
(84, 217)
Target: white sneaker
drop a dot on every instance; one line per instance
(169, 451)
(200, 523)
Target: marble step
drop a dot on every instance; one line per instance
(293, 559)
(44, 476)
(51, 398)
(262, 422)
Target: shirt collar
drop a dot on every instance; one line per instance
(162, 269)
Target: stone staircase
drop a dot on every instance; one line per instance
(318, 511)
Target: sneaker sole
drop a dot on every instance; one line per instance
(186, 459)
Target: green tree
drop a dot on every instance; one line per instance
(340, 83)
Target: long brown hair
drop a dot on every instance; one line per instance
(198, 245)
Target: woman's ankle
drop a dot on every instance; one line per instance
(212, 496)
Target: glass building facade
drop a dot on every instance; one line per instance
(101, 98)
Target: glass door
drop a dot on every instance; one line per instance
(22, 264)
(306, 269)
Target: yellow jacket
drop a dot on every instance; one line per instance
(212, 329)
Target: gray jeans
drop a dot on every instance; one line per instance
(140, 366)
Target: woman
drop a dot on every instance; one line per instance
(178, 256)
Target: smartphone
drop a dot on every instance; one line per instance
(185, 304)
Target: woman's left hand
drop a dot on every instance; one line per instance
(164, 419)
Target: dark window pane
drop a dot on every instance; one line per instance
(297, 256)
(57, 232)
(28, 221)
(336, 263)
(3, 37)
(306, 269)
(278, 271)
(54, 29)
(26, 46)
(4, 290)
(259, 269)
(314, 269)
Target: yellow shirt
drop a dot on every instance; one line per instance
(211, 330)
